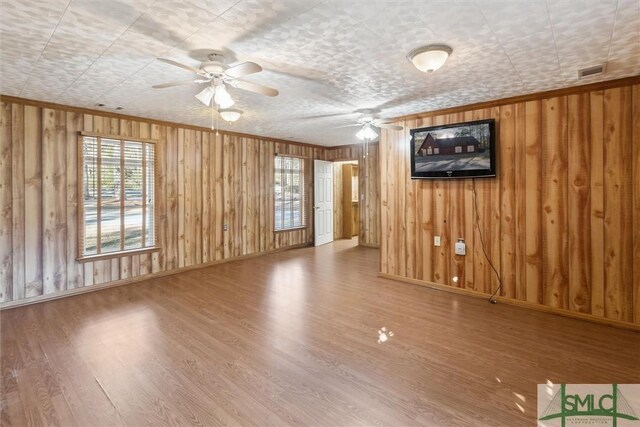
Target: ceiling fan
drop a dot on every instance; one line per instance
(218, 75)
(367, 122)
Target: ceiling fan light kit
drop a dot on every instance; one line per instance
(206, 95)
(222, 97)
(429, 58)
(367, 132)
(217, 75)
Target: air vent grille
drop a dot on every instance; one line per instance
(591, 71)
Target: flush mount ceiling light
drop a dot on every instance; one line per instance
(230, 114)
(429, 58)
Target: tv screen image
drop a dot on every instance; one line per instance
(461, 150)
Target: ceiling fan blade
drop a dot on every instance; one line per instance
(254, 87)
(183, 66)
(178, 83)
(323, 116)
(388, 126)
(348, 126)
(243, 69)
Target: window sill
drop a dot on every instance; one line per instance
(284, 230)
(110, 255)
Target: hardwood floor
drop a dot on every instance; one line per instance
(291, 339)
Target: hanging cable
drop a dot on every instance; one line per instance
(484, 249)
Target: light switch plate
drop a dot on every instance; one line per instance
(436, 241)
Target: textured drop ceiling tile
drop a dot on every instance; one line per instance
(582, 31)
(169, 22)
(257, 15)
(326, 58)
(624, 53)
(524, 32)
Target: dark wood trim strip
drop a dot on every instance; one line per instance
(607, 84)
(71, 292)
(120, 137)
(356, 145)
(118, 254)
(519, 303)
(53, 105)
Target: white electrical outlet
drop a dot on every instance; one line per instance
(436, 241)
(460, 248)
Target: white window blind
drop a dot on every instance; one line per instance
(117, 209)
(289, 193)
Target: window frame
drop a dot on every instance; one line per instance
(303, 198)
(81, 257)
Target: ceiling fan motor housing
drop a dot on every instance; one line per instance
(215, 65)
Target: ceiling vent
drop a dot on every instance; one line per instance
(591, 71)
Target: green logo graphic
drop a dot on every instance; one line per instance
(612, 405)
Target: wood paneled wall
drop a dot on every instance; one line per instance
(204, 181)
(560, 223)
(338, 213)
(369, 187)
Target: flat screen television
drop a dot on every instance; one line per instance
(461, 150)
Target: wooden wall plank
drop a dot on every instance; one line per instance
(6, 211)
(75, 271)
(196, 204)
(506, 147)
(33, 201)
(554, 225)
(171, 207)
(189, 199)
(54, 200)
(494, 232)
(635, 159)
(617, 199)
(220, 203)
(579, 205)
(533, 202)
(159, 258)
(597, 203)
(183, 222)
(18, 202)
(520, 170)
(206, 198)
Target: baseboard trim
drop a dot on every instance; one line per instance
(524, 304)
(92, 288)
(369, 245)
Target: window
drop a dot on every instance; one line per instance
(117, 184)
(289, 193)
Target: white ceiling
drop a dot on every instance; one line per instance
(325, 57)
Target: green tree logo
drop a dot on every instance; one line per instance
(564, 405)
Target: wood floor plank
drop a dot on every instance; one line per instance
(291, 338)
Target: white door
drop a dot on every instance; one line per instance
(323, 203)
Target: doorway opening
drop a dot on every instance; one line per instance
(346, 207)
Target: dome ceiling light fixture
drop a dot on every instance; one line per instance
(230, 114)
(429, 58)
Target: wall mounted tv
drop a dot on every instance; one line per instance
(461, 150)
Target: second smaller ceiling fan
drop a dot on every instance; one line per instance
(367, 122)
